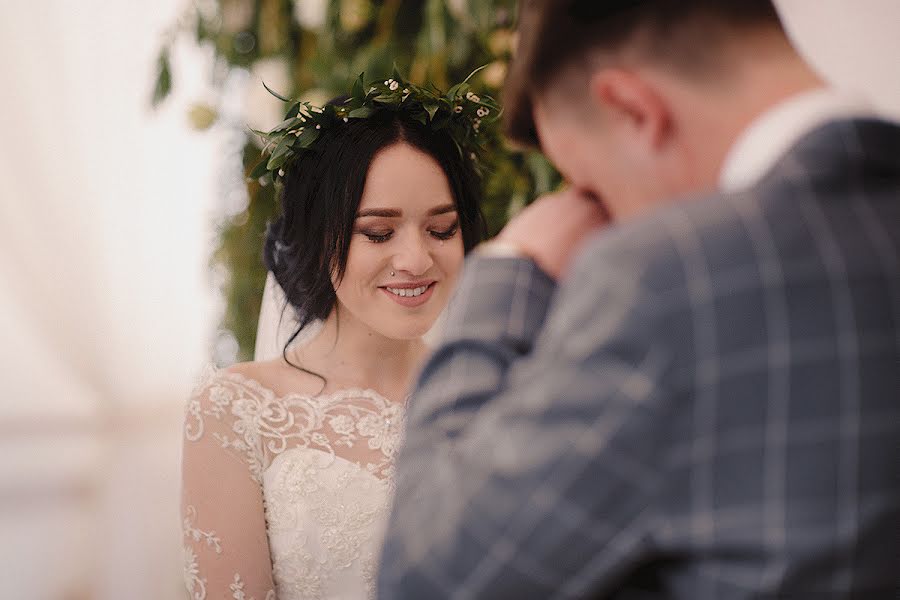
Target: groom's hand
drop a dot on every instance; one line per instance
(552, 229)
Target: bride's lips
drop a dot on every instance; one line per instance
(410, 301)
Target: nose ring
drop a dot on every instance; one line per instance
(392, 273)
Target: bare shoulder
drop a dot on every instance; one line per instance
(276, 375)
(258, 370)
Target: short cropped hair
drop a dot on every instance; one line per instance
(554, 34)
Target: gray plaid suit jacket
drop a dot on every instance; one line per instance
(707, 407)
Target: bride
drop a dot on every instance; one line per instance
(287, 462)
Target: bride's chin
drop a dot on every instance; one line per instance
(412, 330)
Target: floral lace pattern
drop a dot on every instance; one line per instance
(325, 521)
(324, 465)
(265, 425)
(196, 585)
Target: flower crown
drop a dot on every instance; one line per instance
(459, 112)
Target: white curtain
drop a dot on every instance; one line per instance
(104, 311)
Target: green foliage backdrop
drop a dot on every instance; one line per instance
(323, 45)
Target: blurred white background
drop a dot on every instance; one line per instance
(852, 43)
(106, 315)
(105, 308)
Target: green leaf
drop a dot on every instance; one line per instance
(459, 89)
(280, 151)
(294, 110)
(200, 31)
(473, 73)
(259, 170)
(359, 87)
(431, 109)
(353, 103)
(288, 123)
(277, 163)
(163, 78)
(276, 94)
(362, 112)
(308, 136)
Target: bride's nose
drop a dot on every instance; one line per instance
(413, 255)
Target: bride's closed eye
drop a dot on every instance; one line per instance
(379, 236)
(446, 234)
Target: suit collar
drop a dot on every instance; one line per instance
(773, 133)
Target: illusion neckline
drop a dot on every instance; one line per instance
(340, 394)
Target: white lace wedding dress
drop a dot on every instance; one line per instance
(285, 497)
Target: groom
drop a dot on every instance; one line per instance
(679, 377)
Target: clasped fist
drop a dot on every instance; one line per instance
(552, 229)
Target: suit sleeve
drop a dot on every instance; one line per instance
(529, 459)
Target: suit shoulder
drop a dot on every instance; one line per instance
(671, 247)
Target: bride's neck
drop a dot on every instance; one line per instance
(355, 351)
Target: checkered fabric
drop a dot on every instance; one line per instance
(707, 407)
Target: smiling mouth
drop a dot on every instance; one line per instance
(409, 292)
(410, 295)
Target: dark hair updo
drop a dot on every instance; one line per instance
(310, 240)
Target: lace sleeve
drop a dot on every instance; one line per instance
(226, 548)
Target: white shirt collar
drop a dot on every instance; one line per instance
(771, 134)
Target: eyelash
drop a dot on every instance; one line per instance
(380, 238)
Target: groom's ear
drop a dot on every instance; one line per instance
(631, 108)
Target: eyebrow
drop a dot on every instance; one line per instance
(395, 213)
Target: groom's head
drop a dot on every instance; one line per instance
(638, 101)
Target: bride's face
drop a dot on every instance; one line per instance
(406, 249)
